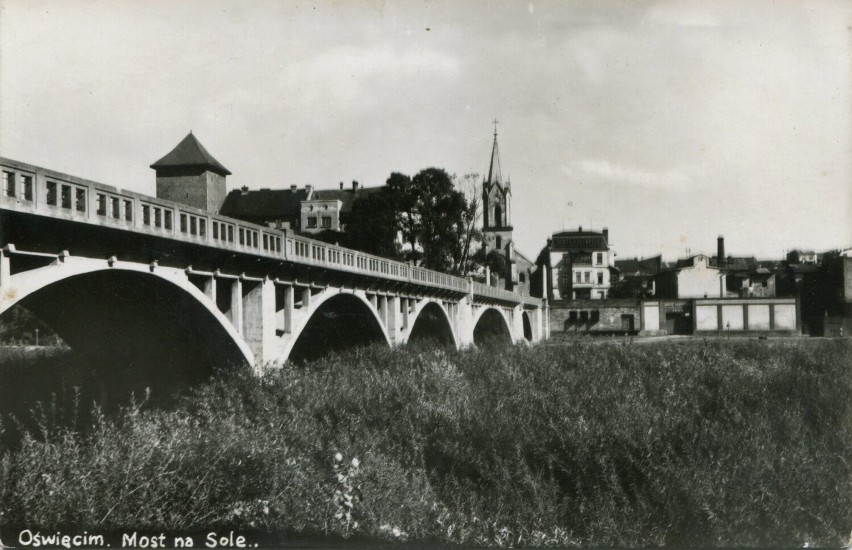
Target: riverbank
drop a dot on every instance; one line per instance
(717, 443)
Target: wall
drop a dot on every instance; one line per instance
(320, 209)
(699, 281)
(204, 190)
(755, 315)
(595, 316)
(560, 262)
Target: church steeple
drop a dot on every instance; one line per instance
(496, 205)
(495, 175)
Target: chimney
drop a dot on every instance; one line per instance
(720, 251)
(581, 229)
(354, 185)
(341, 186)
(293, 187)
(309, 188)
(244, 190)
(606, 234)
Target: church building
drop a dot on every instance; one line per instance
(497, 224)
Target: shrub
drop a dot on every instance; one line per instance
(604, 444)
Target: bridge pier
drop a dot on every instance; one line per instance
(259, 319)
(5, 273)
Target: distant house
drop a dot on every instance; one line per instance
(277, 208)
(579, 264)
(802, 257)
(756, 283)
(694, 277)
(640, 273)
(327, 209)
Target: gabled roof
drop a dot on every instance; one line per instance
(190, 152)
(263, 203)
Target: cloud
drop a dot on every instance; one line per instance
(670, 179)
(354, 73)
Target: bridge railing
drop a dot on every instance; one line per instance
(46, 192)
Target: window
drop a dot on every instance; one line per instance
(600, 278)
(115, 207)
(51, 193)
(312, 221)
(101, 203)
(8, 184)
(66, 197)
(587, 277)
(146, 214)
(80, 199)
(599, 258)
(577, 276)
(183, 223)
(326, 222)
(168, 219)
(27, 184)
(128, 211)
(158, 213)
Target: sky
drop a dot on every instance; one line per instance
(668, 122)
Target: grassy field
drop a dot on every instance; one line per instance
(713, 444)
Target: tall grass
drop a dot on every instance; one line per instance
(721, 443)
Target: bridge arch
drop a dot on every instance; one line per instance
(137, 328)
(432, 321)
(335, 321)
(491, 324)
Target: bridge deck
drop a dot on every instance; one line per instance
(43, 192)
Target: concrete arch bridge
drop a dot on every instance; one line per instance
(123, 275)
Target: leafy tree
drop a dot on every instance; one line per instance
(371, 225)
(403, 202)
(468, 232)
(631, 287)
(438, 223)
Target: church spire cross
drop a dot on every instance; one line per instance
(495, 122)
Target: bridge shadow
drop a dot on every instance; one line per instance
(491, 328)
(432, 325)
(127, 336)
(341, 322)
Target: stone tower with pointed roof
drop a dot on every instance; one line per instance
(190, 175)
(496, 205)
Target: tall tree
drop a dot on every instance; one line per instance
(371, 225)
(440, 209)
(469, 236)
(403, 200)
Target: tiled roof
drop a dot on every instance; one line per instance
(190, 152)
(263, 203)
